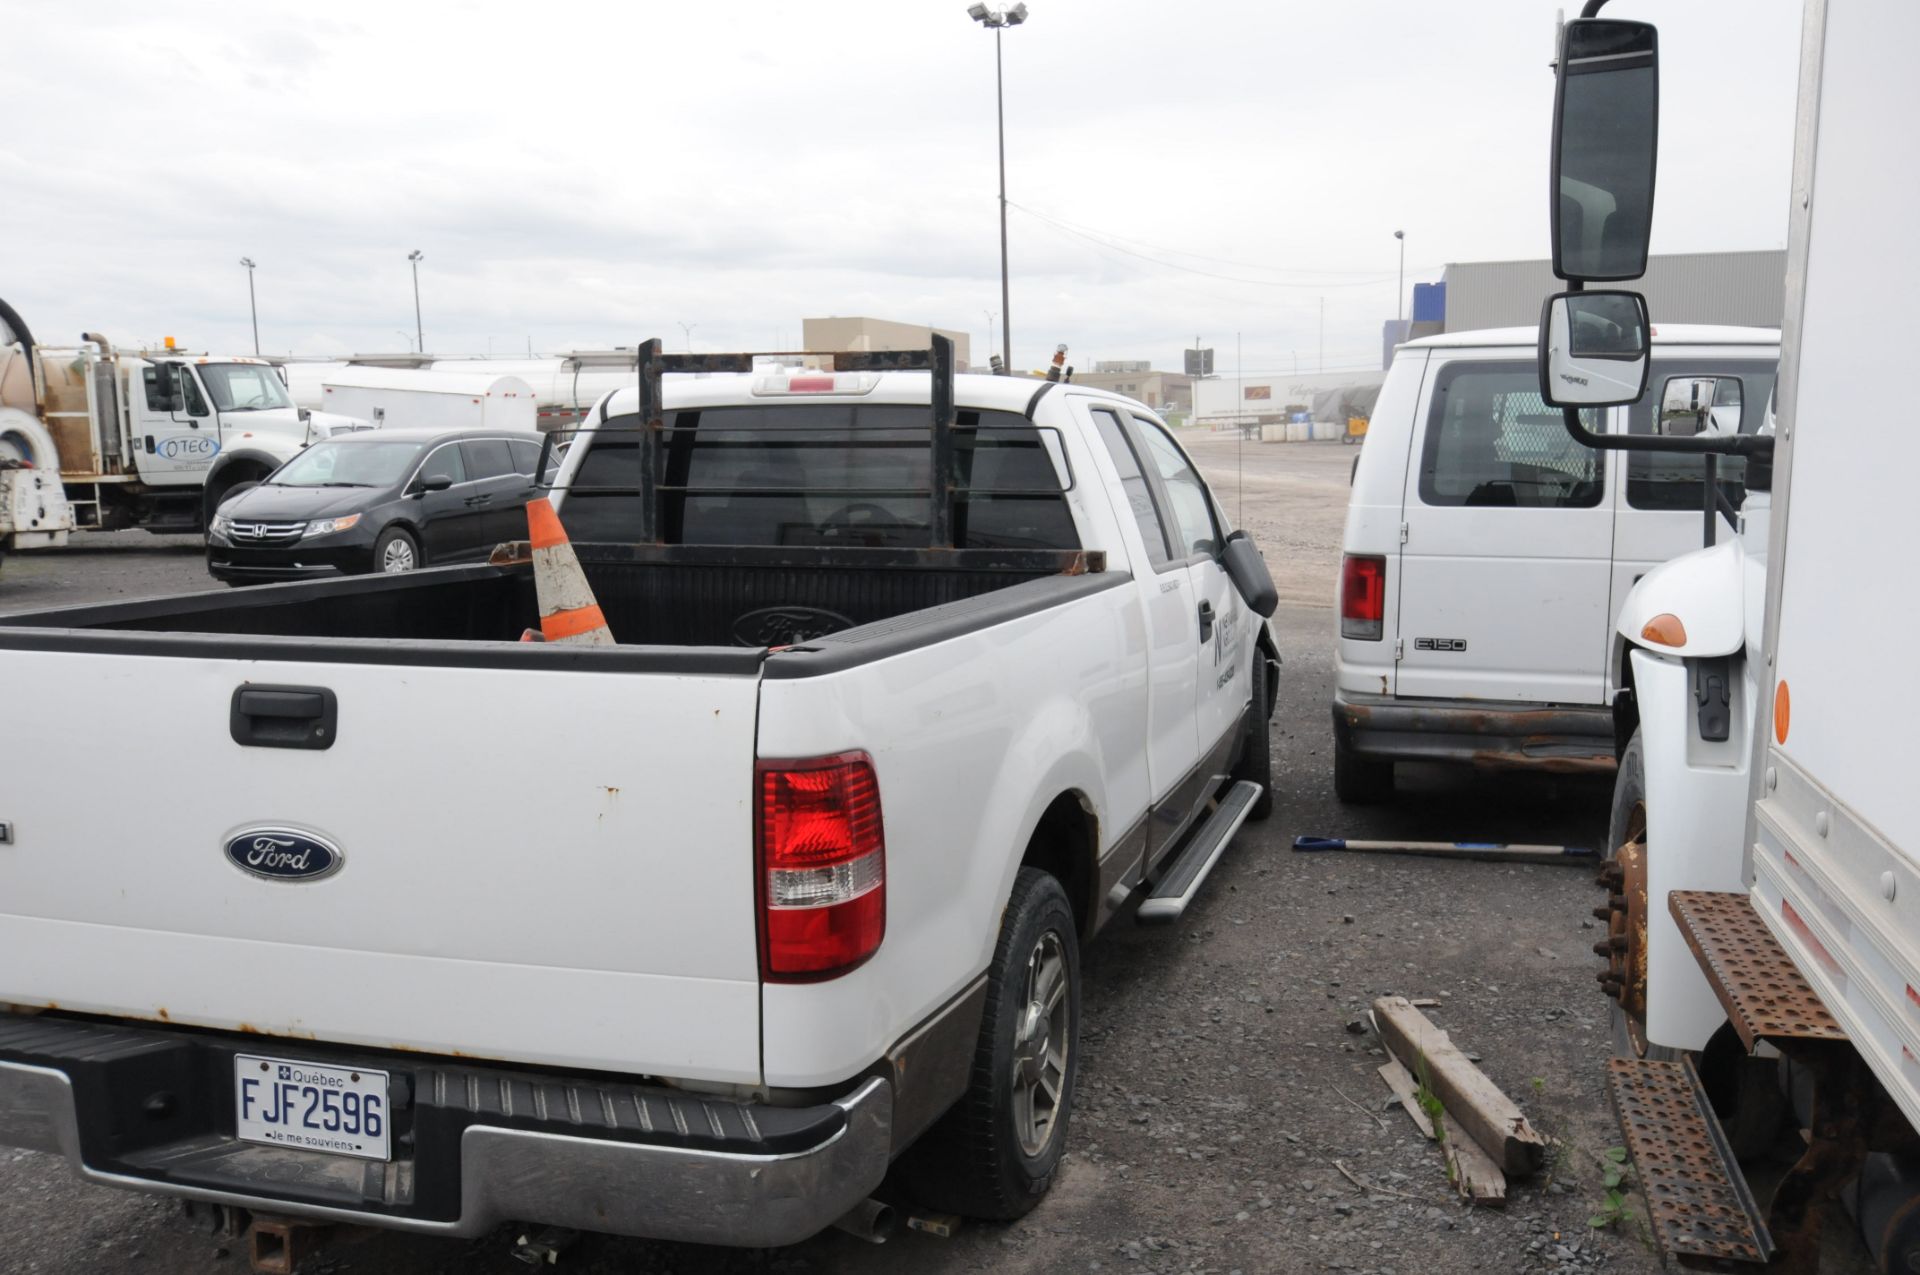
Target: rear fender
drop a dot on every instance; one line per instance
(1696, 808)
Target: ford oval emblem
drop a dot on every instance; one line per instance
(785, 626)
(284, 854)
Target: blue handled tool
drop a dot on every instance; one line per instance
(1486, 851)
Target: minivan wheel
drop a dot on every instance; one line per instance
(995, 1153)
(395, 551)
(1359, 781)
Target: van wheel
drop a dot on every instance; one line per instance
(1359, 781)
(395, 551)
(994, 1155)
(1256, 754)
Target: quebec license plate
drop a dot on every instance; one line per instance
(311, 1106)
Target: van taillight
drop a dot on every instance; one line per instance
(822, 866)
(1363, 597)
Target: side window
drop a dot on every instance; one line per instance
(1492, 442)
(526, 456)
(1665, 480)
(445, 460)
(190, 389)
(486, 458)
(1191, 513)
(1139, 495)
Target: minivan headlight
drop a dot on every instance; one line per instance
(327, 526)
(220, 525)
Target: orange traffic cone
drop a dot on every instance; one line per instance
(568, 610)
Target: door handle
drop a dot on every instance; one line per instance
(479, 500)
(284, 717)
(1206, 620)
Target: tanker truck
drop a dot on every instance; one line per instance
(94, 438)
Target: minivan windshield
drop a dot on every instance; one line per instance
(348, 463)
(244, 387)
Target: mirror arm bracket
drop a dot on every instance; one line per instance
(1699, 444)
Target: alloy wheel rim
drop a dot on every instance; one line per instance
(398, 556)
(1041, 1044)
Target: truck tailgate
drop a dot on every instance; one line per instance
(539, 865)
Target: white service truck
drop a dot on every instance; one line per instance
(1763, 920)
(919, 680)
(149, 439)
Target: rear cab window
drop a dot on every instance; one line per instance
(823, 474)
(1491, 441)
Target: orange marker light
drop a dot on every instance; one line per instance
(1665, 629)
(1782, 710)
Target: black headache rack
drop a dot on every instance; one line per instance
(648, 544)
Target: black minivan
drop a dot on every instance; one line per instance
(378, 500)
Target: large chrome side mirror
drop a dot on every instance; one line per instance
(1691, 405)
(1593, 349)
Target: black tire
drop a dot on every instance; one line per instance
(218, 496)
(972, 1161)
(1745, 1091)
(1256, 754)
(1360, 781)
(394, 543)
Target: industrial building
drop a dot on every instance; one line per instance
(836, 333)
(1162, 391)
(1327, 397)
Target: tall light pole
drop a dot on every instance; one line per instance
(1400, 292)
(686, 335)
(992, 318)
(999, 20)
(252, 304)
(419, 337)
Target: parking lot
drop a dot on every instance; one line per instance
(1227, 1101)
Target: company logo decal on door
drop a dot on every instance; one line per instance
(283, 854)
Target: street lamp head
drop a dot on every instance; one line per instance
(1399, 234)
(1017, 14)
(979, 13)
(416, 255)
(247, 262)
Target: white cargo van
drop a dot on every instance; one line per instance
(1487, 554)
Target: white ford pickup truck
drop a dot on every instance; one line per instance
(919, 680)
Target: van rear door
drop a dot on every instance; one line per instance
(1509, 531)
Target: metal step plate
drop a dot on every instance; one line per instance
(1182, 883)
(1701, 1208)
(1765, 997)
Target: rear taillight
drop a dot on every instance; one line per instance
(822, 866)
(1363, 597)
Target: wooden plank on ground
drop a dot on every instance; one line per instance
(1475, 1176)
(1400, 1080)
(1488, 1115)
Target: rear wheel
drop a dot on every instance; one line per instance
(1360, 781)
(1256, 754)
(995, 1153)
(396, 551)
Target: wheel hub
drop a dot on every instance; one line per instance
(1041, 1038)
(1625, 948)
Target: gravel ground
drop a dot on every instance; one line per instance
(1225, 1077)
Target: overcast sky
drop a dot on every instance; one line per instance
(585, 175)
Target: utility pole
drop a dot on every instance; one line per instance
(1400, 289)
(419, 336)
(1323, 334)
(999, 21)
(252, 304)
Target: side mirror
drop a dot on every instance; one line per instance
(163, 387)
(1593, 349)
(1606, 123)
(434, 482)
(1691, 405)
(1248, 571)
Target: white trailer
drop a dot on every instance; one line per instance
(1763, 939)
(406, 399)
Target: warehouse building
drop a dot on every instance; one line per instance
(1743, 288)
(837, 333)
(1162, 391)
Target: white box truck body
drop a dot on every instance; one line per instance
(407, 399)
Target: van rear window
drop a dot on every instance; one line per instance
(823, 474)
(1493, 442)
